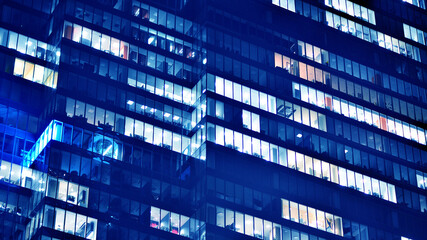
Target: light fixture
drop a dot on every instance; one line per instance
(176, 118)
(299, 135)
(130, 102)
(205, 60)
(167, 114)
(150, 40)
(106, 150)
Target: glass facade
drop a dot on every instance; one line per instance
(213, 120)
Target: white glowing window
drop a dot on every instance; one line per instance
(176, 143)
(352, 110)
(237, 92)
(314, 121)
(249, 225)
(255, 122)
(305, 116)
(391, 193)
(228, 89)
(308, 165)
(368, 116)
(294, 211)
(336, 105)
(312, 221)
(367, 184)
(246, 95)
(399, 129)
(343, 176)
(320, 99)
(383, 190)
(31, 47)
(187, 95)
(291, 159)
(272, 104)
(254, 98)
(77, 33)
(96, 40)
(238, 142)
(283, 157)
(247, 144)
(344, 108)
(263, 101)
(274, 153)
(148, 133)
(105, 43)
(317, 166)
(38, 74)
(265, 151)
(228, 136)
(320, 220)
(157, 136)
(59, 219)
(86, 36)
(115, 46)
(300, 162)
(351, 179)
(334, 174)
(359, 182)
(256, 147)
(421, 136)
(360, 114)
(246, 117)
(219, 109)
(129, 126)
(303, 214)
(219, 138)
(219, 85)
(167, 139)
(406, 130)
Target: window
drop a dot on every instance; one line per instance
(303, 215)
(219, 85)
(3, 37)
(249, 225)
(59, 219)
(19, 67)
(255, 122)
(254, 98)
(246, 117)
(246, 94)
(29, 71)
(320, 220)
(258, 229)
(105, 43)
(219, 138)
(219, 109)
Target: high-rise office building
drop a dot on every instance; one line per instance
(213, 119)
